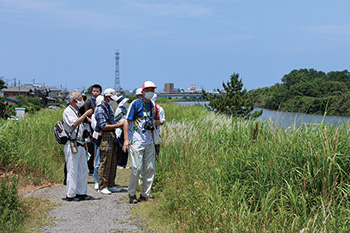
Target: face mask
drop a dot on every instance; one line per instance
(149, 95)
(80, 103)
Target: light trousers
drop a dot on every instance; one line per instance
(142, 159)
(77, 171)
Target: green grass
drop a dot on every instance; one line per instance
(212, 175)
(29, 155)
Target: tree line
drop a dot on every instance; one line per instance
(307, 91)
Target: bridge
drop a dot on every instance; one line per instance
(179, 95)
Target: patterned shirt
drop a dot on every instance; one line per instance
(102, 117)
(139, 113)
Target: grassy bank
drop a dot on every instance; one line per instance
(213, 176)
(29, 155)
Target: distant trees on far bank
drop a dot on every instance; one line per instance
(308, 91)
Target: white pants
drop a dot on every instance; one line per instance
(77, 171)
(142, 158)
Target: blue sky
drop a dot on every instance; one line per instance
(202, 42)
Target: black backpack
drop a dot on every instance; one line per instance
(60, 134)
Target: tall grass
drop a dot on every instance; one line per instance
(28, 147)
(214, 177)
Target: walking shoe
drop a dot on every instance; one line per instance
(72, 198)
(104, 191)
(96, 186)
(142, 198)
(114, 189)
(132, 199)
(84, 197)
(120, 167)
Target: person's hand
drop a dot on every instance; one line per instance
(126, 145)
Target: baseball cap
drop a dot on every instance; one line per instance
(148, 84)
(111, 93)
(138, 91)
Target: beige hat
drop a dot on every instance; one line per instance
(111, 93)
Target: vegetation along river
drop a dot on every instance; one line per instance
(289, 119)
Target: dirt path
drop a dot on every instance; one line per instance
(104, 213)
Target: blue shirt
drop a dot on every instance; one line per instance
(101, 115)
(139, 113)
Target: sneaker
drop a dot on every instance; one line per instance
(114, 189)
(96, 186)
(104, 191)
(72, 198)
(132, 199)
(120, 167)
(84, 197)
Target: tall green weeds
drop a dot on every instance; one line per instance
(215, 177)
(28, 147)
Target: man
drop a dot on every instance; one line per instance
(75, 154)
(108, 149)
(96, 90)
(120, 116)
(139, 142)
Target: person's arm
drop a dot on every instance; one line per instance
(114, 126)
(80, 119)
(126, 136)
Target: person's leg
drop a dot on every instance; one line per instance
(113, 166)
(83, 172)
(91, 151)
(105, 160)
(97, 163)
(135, 156)
(148, 170)
(72, 167)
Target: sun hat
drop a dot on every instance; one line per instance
(111, 93)
(99, 99)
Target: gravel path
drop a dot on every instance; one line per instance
(104, 213)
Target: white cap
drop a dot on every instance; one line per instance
(148, 84)
(99, 99)
(111, 93)
(138, 91)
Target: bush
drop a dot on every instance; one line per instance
(11, 213)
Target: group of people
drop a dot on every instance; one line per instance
(125, 132)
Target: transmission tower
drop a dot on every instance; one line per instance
(117, 79)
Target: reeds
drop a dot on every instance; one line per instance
(222, 174)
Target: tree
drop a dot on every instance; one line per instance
(233, 100)
(6, 110)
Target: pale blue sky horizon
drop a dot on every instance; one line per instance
(72, 43)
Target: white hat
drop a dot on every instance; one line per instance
(99, 99)
(121, 100)
(111, 93)
(138, 91)
(148, 84)
(154, 98)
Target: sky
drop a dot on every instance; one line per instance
(72, 44)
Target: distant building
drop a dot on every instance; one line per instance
(13, 92)
(169, 88)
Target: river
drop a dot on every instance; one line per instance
(290, 119)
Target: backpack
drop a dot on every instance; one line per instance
(60, 134)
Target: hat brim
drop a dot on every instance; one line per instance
(123, 102)
(114, 97)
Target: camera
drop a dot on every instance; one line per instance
(149, 125)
